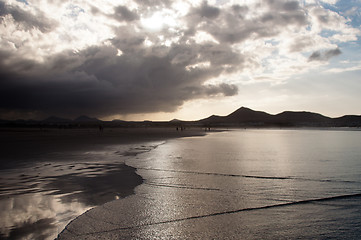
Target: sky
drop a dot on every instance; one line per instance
(163, 59)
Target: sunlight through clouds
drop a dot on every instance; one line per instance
(145, 50)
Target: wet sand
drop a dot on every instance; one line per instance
(49, 171)
(17, 144)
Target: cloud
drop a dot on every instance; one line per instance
(332, 53)
(230, 25)
(344, 69)
(208, 11)
(291, 6)
(122, 13)
(330, 1)
(153, 3)
(325, 55)
(300, 43)
(28, 20)
(102, 59)
(226, 89)
(97, 82)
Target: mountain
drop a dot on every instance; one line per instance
(348, 121)
(301, 118)
(248, 117)
(84, 118)
(241, 116)
(245, 115)
(54, 119)
(175, 120)
(118, 120)
(212, 119)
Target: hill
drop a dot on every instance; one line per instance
(53, 119)
(247, 117)
(84, 118)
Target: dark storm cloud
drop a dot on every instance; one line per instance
(122, 13)
(27, 19)
(97, 82)
(324, 56)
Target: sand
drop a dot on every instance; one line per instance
(15, 143)
(26, 148)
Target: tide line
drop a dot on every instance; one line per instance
(246, 176)
(309, 201)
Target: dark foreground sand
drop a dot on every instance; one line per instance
(15, 144)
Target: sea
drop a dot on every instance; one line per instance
(232, 184)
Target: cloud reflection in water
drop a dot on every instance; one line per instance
(37, 202)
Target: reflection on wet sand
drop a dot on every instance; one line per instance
(38, 201)
(50, 176)
(92, 188)
(35, 215)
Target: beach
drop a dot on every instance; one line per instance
(167, 184)
(50, 176)
(180, 119)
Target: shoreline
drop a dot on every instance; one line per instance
(168, 202)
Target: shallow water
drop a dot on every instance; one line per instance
(263, 184)
(289, 164)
